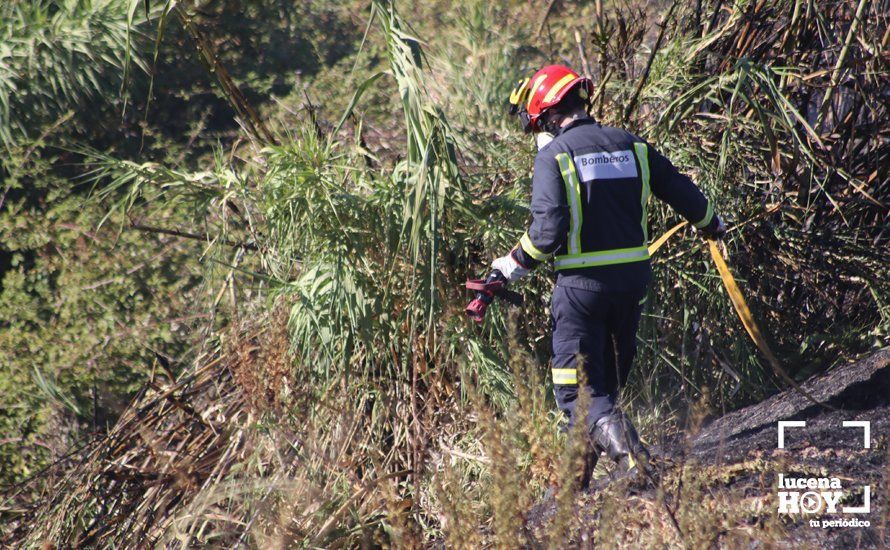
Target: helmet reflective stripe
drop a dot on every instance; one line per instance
(534, 87)
(556, 88)
(573, 196)
(602, 257)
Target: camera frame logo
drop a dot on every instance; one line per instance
(822, 495)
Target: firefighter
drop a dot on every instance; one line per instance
(590, 187)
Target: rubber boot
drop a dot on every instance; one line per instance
(615, 435)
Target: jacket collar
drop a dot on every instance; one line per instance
(575, 123)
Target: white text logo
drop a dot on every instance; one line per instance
(605, 165)
(821, 495)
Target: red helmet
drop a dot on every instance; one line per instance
(549, 86)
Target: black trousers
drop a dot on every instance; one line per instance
(596, 332)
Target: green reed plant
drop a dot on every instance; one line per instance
(57, 56)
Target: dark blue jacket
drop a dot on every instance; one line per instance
(589, 194)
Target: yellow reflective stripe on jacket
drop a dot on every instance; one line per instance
(709, 213)
(529, 248)
(603, 257)
(565, 377)
(642, 151)
(573, 197)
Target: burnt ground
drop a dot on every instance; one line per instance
(823, 448)
(718, 488)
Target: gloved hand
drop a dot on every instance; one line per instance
(714, 230)
(509, 267)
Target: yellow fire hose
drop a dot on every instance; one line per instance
(663, 239)
(741, 307)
